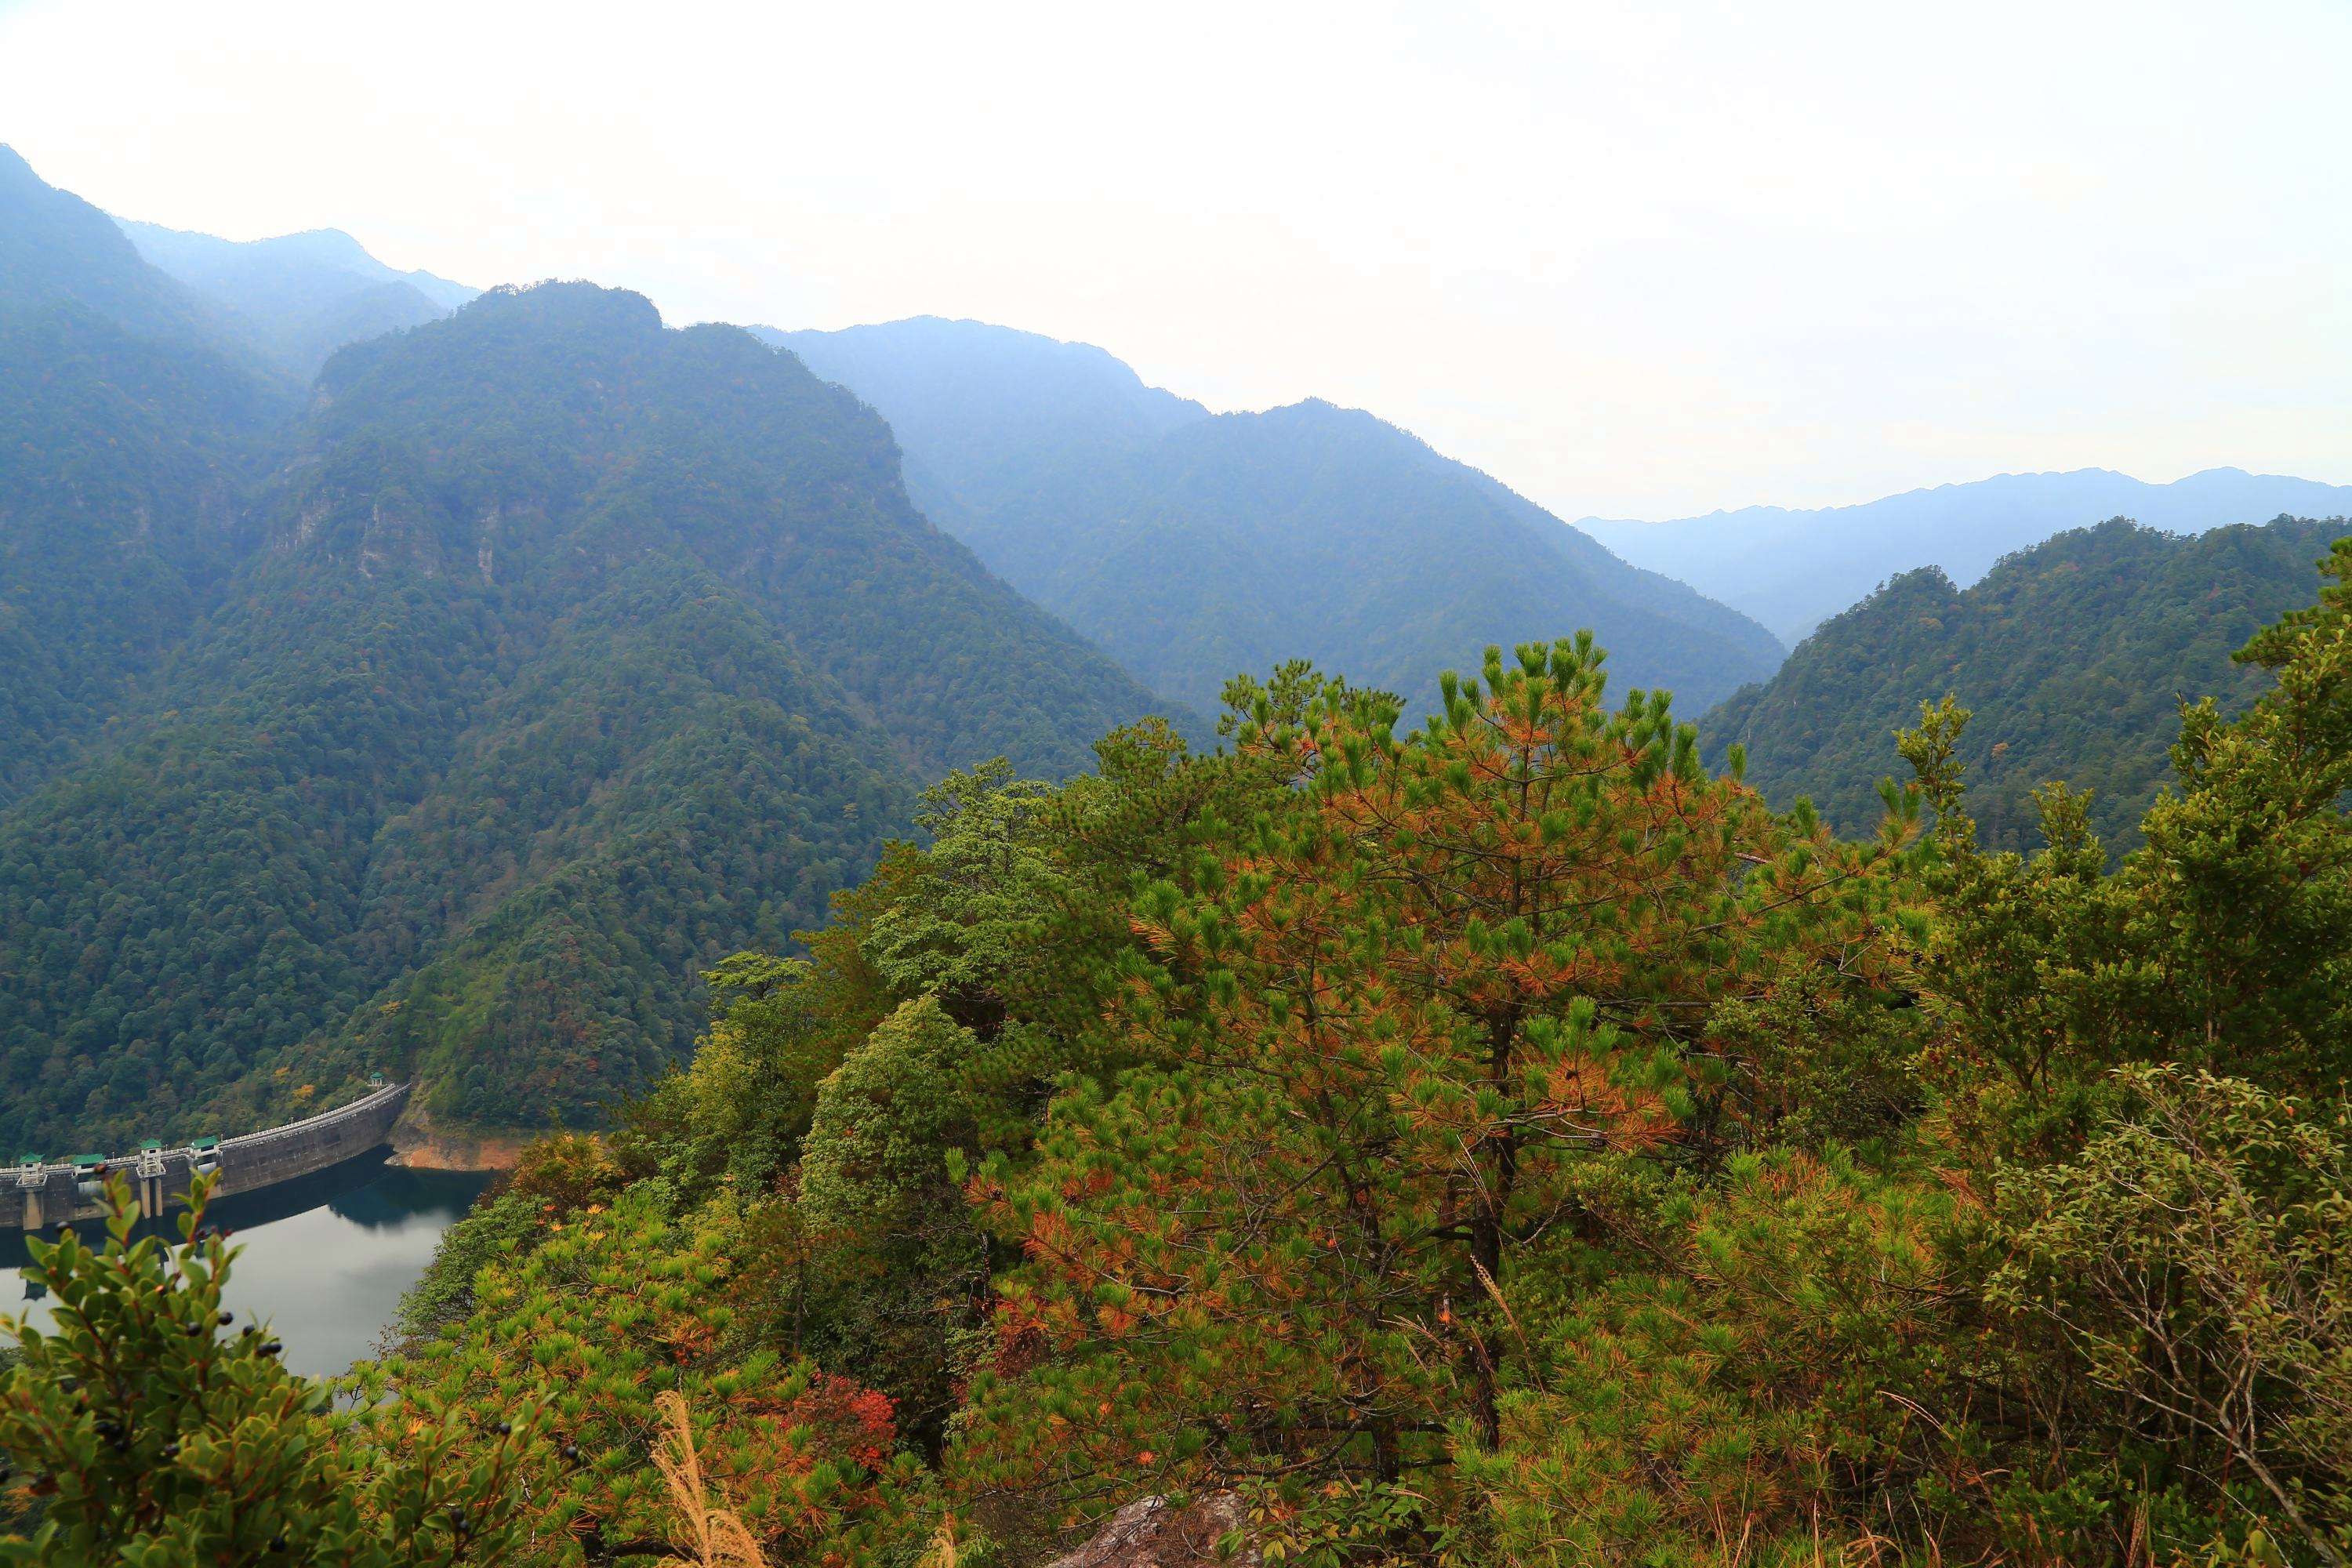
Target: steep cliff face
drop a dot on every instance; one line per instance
(569, 654)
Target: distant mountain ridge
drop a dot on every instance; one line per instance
(2072, 655)
(1196, 546)
(202, 259)
(1793, 569)
(300, 296)
(983, 401)
(453, 718)
(569, 653)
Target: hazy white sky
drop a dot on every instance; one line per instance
(1637, 260)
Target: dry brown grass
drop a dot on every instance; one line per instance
(718, 1539)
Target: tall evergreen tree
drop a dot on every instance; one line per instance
(1414, 1009)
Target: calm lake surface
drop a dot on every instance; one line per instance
(325, 1258)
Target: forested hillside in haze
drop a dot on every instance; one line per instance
(569, 653)
(56, 248)
(299, 297)
(1794, 568)
(1195, 547)
(2074, 657)
(128, 423)
(120, 460)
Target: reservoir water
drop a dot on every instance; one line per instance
(324, 1258)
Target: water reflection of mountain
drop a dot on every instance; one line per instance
(368, 1190)
(400, 1196)
(323, 1260)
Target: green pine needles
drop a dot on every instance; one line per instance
(1497, 1141)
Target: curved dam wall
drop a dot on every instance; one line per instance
(33, 1196)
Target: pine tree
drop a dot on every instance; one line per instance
(1414, 1006)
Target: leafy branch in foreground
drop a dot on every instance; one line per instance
(152, 1436)
(2197, 1258)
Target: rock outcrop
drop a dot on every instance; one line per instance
(1150, 1532)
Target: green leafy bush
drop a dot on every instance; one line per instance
(149, 1435)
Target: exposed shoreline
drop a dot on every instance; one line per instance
(421, 1143)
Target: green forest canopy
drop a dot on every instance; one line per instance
(1499, 1142)
(2074, 657)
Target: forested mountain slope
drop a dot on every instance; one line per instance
(56, 248)
(1791, 570)
(2073, 656)
(573, 652)
(299, 296)
(1194, 547)
(127, 425)
(119, 459)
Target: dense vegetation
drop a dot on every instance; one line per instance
(1496, 1142)
(165, 1440)
(2073, 656)
(120, 461)
(1792, 570)
(1192, 546)
(567, 654)
(126, 427)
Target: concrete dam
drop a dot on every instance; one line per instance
(37, 1194)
